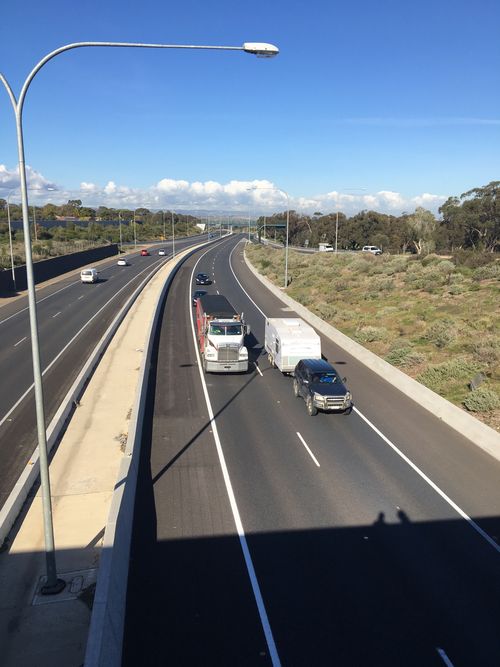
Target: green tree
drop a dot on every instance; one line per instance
(475, 217)
(423, 226)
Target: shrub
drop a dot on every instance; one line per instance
(441, 333)
(455, 278)
(405, 357)
(491, 271)
(397, 265)
(430, 259)
(360, 265)
(439, 377)
(457, 289)
(472, 258)
(445, 267)
(482, 399)
(326, 311)
(487, 350)
(370, 334)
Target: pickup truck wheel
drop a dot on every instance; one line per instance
(348, 411)
(296, 388)
(271, 360)
(311, 409)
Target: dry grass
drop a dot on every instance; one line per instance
(436, 321)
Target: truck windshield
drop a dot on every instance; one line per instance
(225, 329)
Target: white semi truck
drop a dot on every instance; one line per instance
(221, 335)
(288, 340)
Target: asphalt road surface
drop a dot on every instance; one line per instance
(265, 536)
(72, 317)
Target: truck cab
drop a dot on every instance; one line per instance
(221, 335)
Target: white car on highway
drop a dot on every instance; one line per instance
(89, 275)
(122, 262)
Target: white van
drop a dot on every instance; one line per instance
(325, 247)
(89, 275)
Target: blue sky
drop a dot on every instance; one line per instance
(384, 105)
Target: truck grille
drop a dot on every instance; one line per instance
(334, 401)
(228, 352)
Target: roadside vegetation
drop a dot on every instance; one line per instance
(434, 317)
(84, 228)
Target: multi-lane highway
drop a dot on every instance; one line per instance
(265, 536)
(72, 317)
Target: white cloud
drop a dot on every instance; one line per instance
(257, 196)
(9, 180)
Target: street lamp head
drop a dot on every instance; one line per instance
(261, 49)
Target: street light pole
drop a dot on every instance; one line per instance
(34, 223)
(120, 226)
(135, 236)
(10, 243)
(336, 231)
(173, 235)
(287, 226)
(54, 584)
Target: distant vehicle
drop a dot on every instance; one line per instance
(375, 250)
(122, 262)
(162, 252)
(203, 279)
(319, 384)
(325, 247)
(89, 275)
(197, 295)
(287, 340)
(144, 253)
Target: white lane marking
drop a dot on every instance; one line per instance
(273, 652)
(258, 370)
(241, 286)
(81, 297)
(429, 481)
(217, 291)
(56, 314)
(20, 341)
(39, 301)
(308, 450)
(47, 368)
(459, 511)
(47, 297)
(444, 657)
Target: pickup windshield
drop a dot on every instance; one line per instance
(325, 378)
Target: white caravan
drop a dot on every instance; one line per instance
(288, 340)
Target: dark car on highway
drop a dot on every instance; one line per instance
(197, 294)
(321, 387)
(203, 279)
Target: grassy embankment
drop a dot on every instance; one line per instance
(437, 321)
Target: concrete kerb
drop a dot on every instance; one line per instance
(480, 434)
(105, 639)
